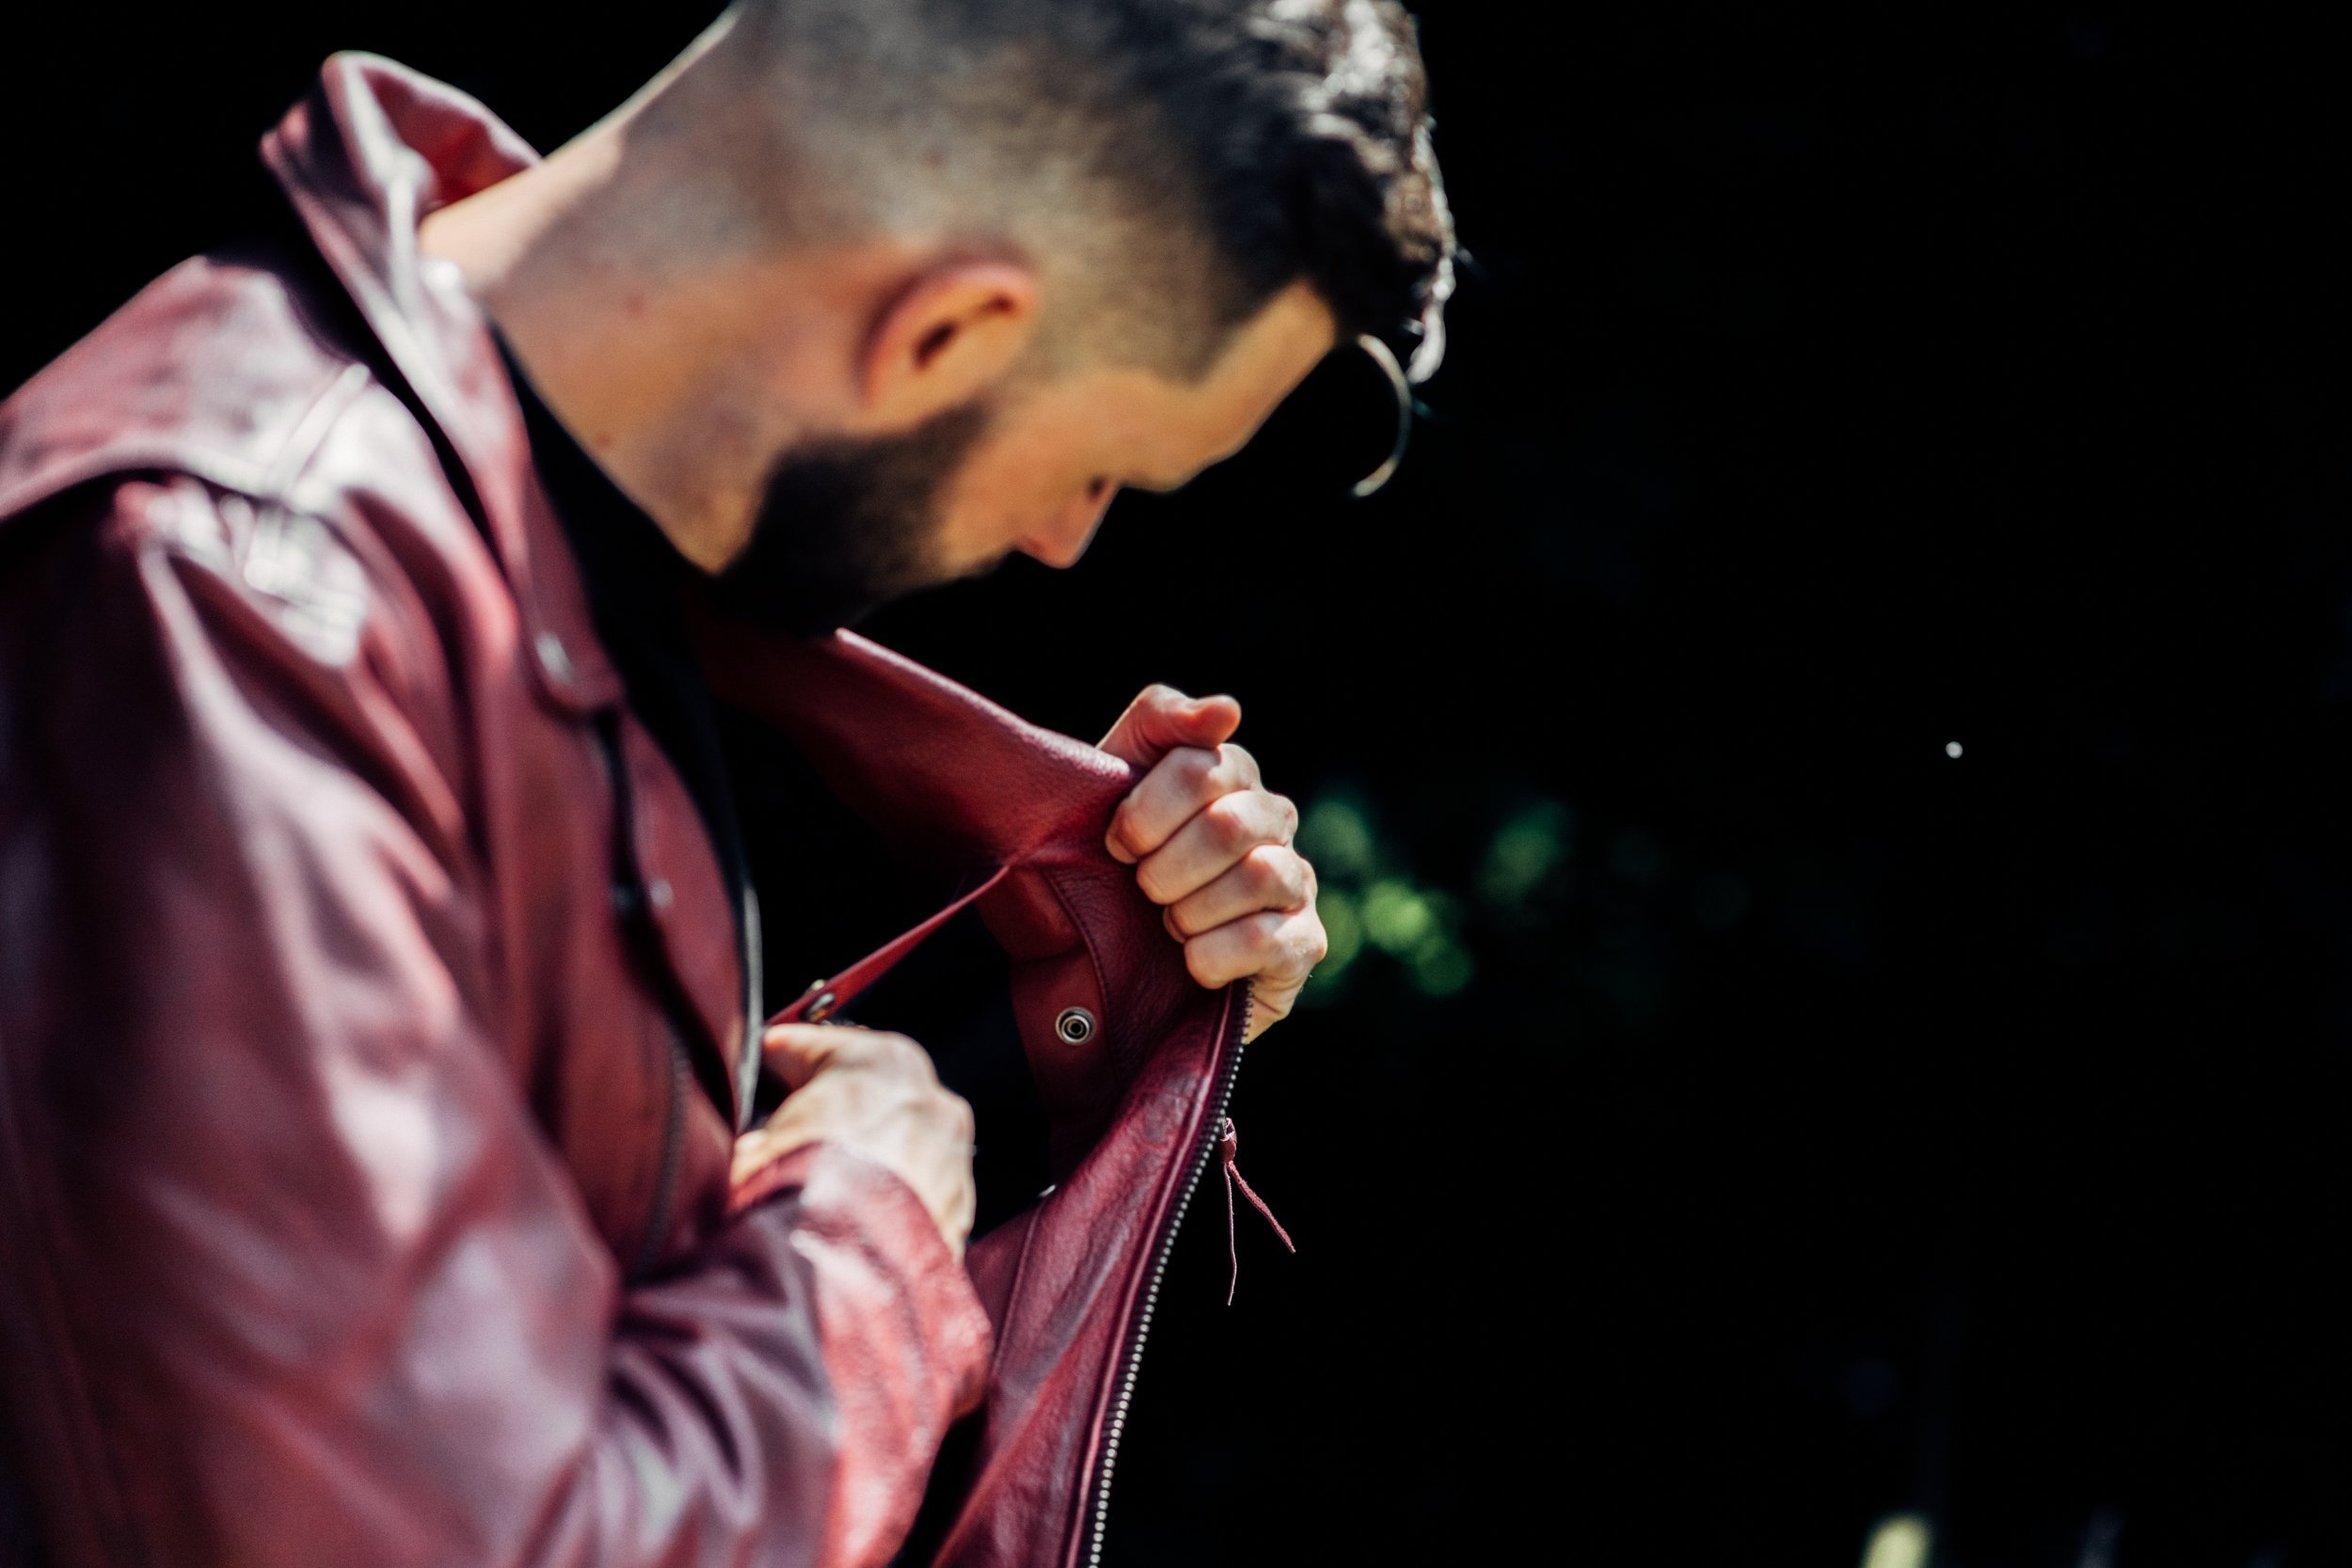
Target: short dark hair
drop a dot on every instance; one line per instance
(1307, 121)
(1235, 146)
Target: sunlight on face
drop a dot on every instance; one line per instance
(1040, 479)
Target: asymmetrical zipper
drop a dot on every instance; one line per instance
(1220, 1097)
(673, 1146)
(634, 908)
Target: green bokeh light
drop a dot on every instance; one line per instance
(1526, 849)
(1336, 835)
(1344, 930)
(1397, 915)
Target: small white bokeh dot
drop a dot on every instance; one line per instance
(1952, 749)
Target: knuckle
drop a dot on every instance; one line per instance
(848, 1048)
(1231, 770)
(1269, 871)
(1229, 822)
(1286, 813)
(1122, 829)
(1151, 878)
(1278, 945)
(903, 1056)
(1194, 767)
(956, 1115)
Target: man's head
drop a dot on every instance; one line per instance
(922, 283)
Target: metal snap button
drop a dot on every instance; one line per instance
(821, 1008)
(1075, 1026)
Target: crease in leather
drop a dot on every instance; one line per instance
(947, 778)
(231, 1183)
(1083, 1259)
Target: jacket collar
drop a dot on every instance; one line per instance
(367, 154)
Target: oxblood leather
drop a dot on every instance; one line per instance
(356, 1203)
(959, 785)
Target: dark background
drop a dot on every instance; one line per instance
(1738, 1119)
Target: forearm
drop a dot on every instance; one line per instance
(295, 1273)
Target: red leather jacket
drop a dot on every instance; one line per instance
(363, 964)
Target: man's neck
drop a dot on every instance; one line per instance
(683, 368)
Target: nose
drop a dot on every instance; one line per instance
(1065, 538)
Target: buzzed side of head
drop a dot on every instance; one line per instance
(1165, 166)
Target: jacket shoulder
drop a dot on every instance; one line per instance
(227, 368)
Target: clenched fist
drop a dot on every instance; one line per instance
(876, 1094)
(1212, 845)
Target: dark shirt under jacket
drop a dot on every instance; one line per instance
(775, 826)
(633, 575)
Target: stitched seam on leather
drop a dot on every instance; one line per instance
(265, 479)
(1084, 1495)
(1171, 1202)
(1191, 1169)
(1101, 978)
(1098, 1424)
(222, 470)
(1021, 1264)
(302, 442)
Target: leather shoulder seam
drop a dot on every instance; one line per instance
(310, 432)
(266, 478)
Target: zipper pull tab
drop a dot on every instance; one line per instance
(1228, 1148)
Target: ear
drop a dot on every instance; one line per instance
(950, 334)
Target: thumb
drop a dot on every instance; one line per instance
(798, 1051)
(1162, 719)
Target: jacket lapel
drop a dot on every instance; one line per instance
(370, 151)
(1133, 1101)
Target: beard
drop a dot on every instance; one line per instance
(845, 525)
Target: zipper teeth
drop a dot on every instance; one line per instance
(628, 886)
(1152, 1293)
(665, 1186)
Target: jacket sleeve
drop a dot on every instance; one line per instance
(292, 1276)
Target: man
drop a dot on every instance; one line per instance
(380, 1008)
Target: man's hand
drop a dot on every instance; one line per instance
(878, 1095)
(1213, 846)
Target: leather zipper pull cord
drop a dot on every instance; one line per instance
(1229, 1147)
